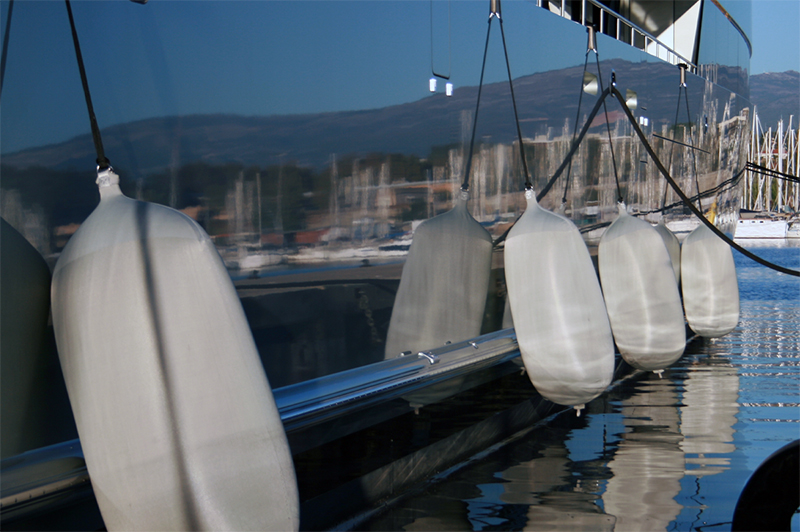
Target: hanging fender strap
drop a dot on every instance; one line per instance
(102, 162)
(528, 185)
(575, 144)
(468, 168)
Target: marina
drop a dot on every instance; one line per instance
(361, 279)
(671, 453)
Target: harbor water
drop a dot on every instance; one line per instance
(655, 453)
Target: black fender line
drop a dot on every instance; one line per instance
(686, 199)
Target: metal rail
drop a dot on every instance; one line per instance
(31, 478)
(635, 35)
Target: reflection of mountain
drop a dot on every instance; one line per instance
(776, 95)
(545, 100)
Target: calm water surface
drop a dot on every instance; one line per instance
(654, 454)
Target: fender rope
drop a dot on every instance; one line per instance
(102, 161)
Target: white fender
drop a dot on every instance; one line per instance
(642, 298)
(445, 281)
(709, 284)
(673, 247)
(175, 415)
(559, 314)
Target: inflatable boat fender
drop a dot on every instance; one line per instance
(176, 418)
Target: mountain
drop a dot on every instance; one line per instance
(547, 104)
(150, 145)
(776, 95)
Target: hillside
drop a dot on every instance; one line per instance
(776, 95)
(545, 99)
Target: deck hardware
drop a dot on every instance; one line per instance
(433, 359)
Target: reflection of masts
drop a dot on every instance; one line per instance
(366, 184)
(333, 201)
(778, 152)
(258, 194)
(238, 206)
(279, 201)
(175, 160)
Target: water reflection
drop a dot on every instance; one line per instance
(649, 462)
(626, 466)
(545, 486)
(709, 410)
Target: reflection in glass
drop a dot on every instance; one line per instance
(300, 165)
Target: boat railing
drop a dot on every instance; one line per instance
(615, 25)
(42, 478)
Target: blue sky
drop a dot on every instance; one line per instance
(262, 57)
(775, 35)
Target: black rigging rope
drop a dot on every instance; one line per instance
(687, 201)
(777, 174)
(102, 161)
(495, 12)
(575, 144)
(528, 185)
(465, 184)
(684, 89)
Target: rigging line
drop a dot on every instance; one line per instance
(102, 161)
(706, 194)
(656, 135)
(575, 128)
(608, 125)
(528, 185)
(5, 46)
(771, 173)
(465, 184)
(575, 145)
(564, 163)
(687, 201)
